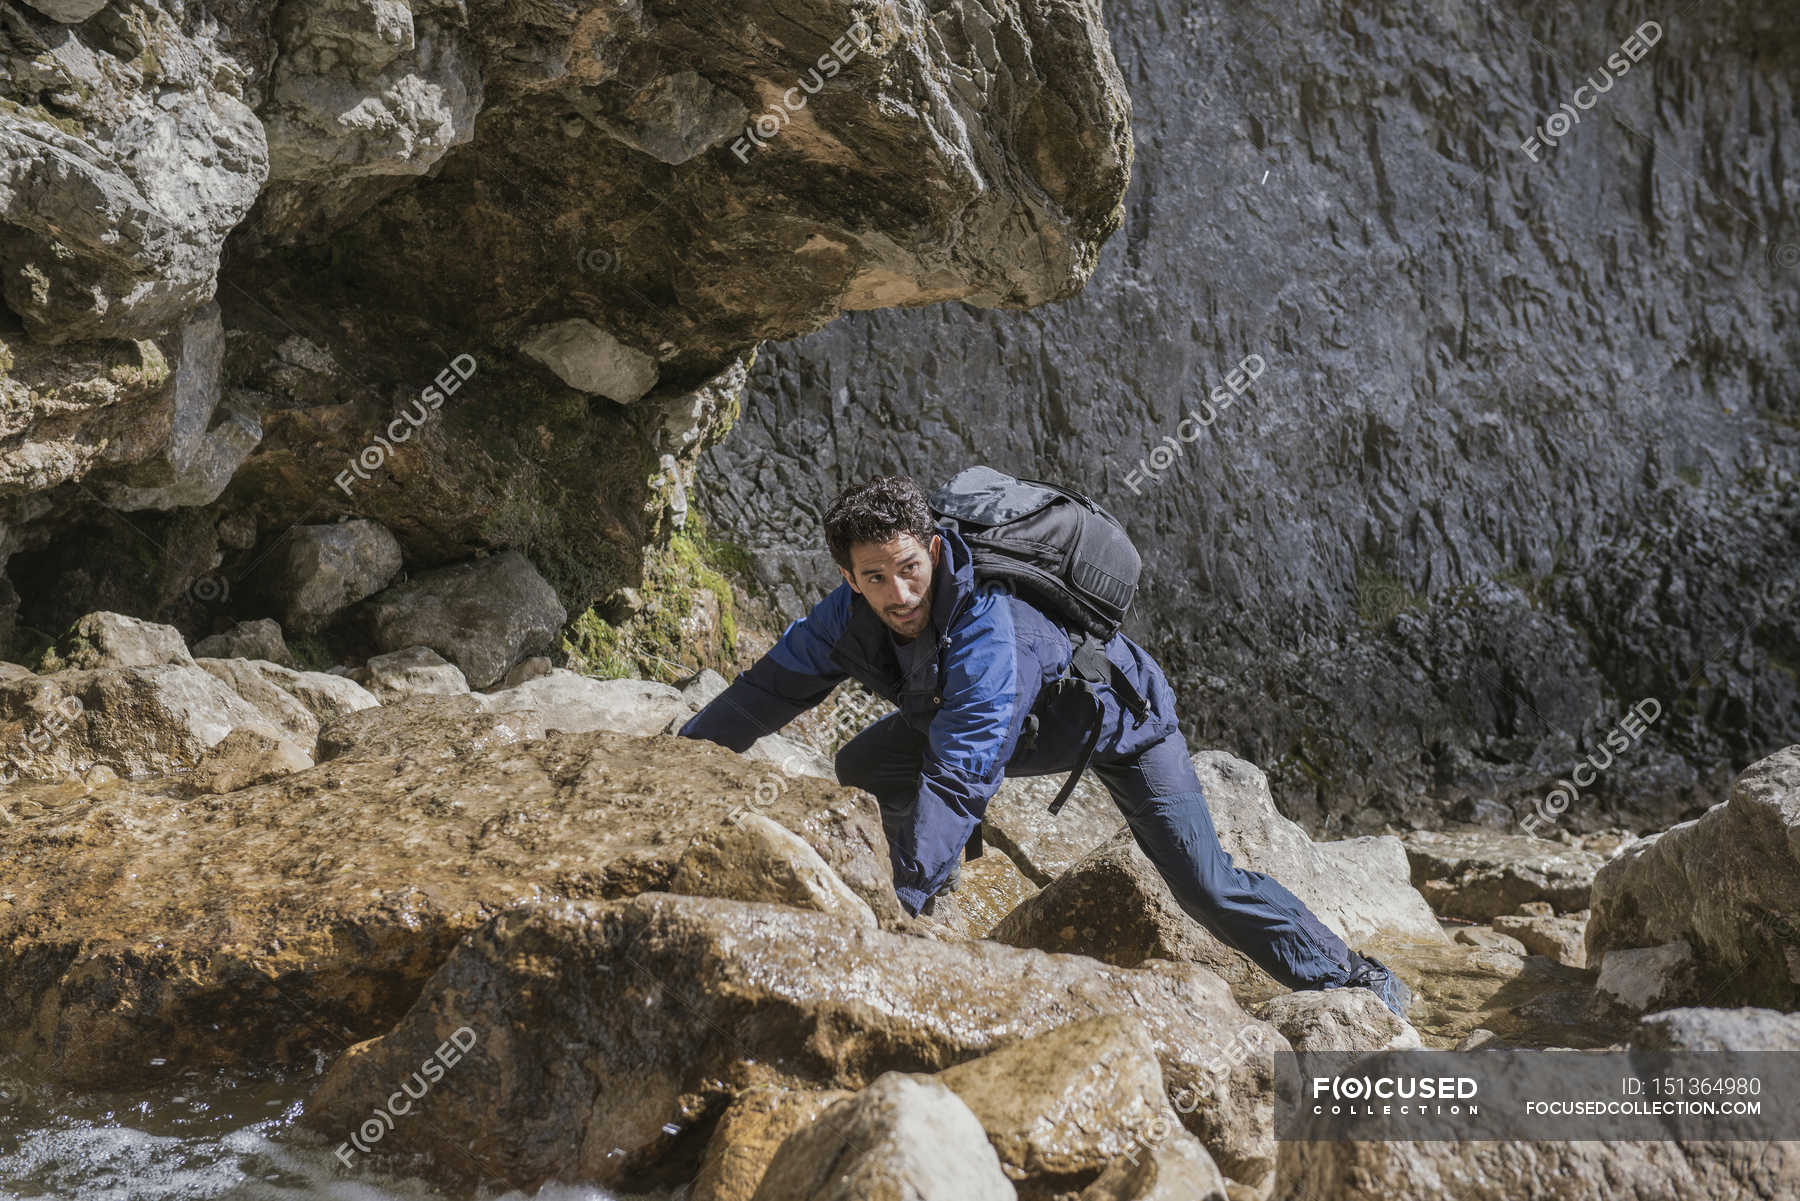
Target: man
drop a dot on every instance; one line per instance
(968, 666)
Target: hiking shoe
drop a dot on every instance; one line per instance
(1375, 976)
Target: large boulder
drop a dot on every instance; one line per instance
(317, 571)
(135, 721)
(754, 859)
(609, 1031)
(413, 671)
(1360, 887)
(422, 726)
(114, 207)
(991, 886)
(1702, 1029)
(1561, 938)
(1480, 874)
(260, 639)
(279, 706)
(566, 700)
(903, 1138)
(484, 615)
(1114, 905)
(274, 923)
(1044, 845)
(114, 640)
(750, 1134)
(1173, 1168)
(1727, 884)
(1337, 1019)
(368, 89)
(1069, 1102)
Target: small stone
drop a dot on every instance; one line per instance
(414, 671)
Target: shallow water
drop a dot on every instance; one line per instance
(192, 1141)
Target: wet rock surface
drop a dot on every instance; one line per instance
(334, 892)
(662, 1005)
(903, 1137)
(1069, 1102)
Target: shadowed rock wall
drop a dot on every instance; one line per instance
(1522, 449)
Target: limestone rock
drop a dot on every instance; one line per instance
(1489, 939)
(1695, 1029)
(703, 687)
(363, 87)
(1359, 887)
(754, 859)
(526, 670)
(113, 214)
(750, 1133)
(1044, 846)
(320, 569)
(589, 359)
(1337, 1019)
(1176, 1168)
(280, 707)
(199, 454)
(658, 1005)
(991, 887)
(1647, 977)
(1069, 1101)
(134, 720)
(144, 924)
(1114, 906)
(422, 725)
(1478, 875)
(102, 640)
(260, 639)
(414, 671)
(566, 700)
(483, 615)
(1726, 883)
(325, 696)
(1561, 938)
(70, 12)
(247, 757)
(903, 1138)
(1565, 1170)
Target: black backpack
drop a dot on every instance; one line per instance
(1065, 555)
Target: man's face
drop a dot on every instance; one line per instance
(895, 578)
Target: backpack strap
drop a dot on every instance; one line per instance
(1081, 765)
(1088, 664)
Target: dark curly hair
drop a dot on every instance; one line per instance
(877, 511)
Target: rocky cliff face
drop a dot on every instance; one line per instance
(1519, 441)
(488, 273)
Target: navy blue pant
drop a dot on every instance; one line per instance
(1161, 798)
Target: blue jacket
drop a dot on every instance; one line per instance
(996, 652)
